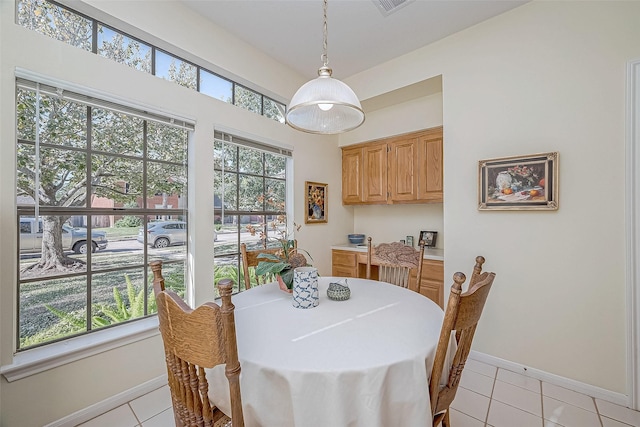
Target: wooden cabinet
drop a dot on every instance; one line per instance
(352, 161)
(432, 284)
(402, 169)
(430, 157)
(346, 263)
(375, 173)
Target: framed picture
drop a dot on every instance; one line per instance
(519, 183)
(316, 202)
(429, 238)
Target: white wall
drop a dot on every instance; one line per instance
(547, 76)
(77, 385)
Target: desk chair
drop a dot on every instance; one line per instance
(195, 340)
(395, 262)
(462, 316)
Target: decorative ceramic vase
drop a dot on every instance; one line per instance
(305, 287)
(503, 180)
(317, 212)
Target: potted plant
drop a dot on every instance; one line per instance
(286, 259)
(282, 263)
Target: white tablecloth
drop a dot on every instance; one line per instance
(361, 362)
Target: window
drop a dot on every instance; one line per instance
(250, 199)
(87, 177)
(64, 24)
(56, 22)
(123, 49)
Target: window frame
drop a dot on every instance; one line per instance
(147, 211)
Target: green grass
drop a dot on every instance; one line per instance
(120, 233)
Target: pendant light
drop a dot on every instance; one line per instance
(325, 105)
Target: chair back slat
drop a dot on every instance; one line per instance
(250, 260)
(195, 340)
(461, 319)
(395, 261)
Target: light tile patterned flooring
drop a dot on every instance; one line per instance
(487, 397)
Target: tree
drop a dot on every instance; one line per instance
(116, 162)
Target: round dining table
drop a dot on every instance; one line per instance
(364, 361)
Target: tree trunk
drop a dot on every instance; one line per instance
(52, 257)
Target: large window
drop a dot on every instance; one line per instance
(101, 191)
(250, 200)
(64, 24)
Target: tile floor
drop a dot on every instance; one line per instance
(487, 397)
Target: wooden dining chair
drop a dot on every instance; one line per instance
(462, 316)
(395, 261)
(250, 260)
(195, 340)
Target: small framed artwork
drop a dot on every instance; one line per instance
(410, 241)
(519, 183)
(429, 238)
(316, 202)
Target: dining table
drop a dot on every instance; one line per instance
(364, 361)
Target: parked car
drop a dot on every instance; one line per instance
(73, 239)
(164, 233)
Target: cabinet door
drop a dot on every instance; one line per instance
(375, 173)
(343, 263)
(432, 283)
(403, 170)
(430, 157)
(352, 175)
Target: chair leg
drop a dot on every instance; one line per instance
(445, 420)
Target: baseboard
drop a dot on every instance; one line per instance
(589, 390)
(112, 402)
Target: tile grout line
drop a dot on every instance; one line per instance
(597, 411)
(541, 403)
(134, 413)
(493, 386)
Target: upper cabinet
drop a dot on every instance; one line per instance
(401, 169)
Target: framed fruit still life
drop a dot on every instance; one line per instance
(519, 183)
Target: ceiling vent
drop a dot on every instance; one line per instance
(387, 7)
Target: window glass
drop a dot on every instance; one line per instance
(116, 132)
(176, 70)
(274, 110)
(123, 49)
(216, 86)
(82, 263)
(248, 204)
(64, 24)
(56, 22)
(248, 99)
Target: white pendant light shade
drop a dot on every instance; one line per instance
(325, 105)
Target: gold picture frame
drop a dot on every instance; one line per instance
(519, 182)
(315, 199)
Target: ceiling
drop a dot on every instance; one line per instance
(360, 34)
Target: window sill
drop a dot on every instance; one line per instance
(34, 361)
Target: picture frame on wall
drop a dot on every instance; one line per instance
(429, 238)
(519, 183)
(316, 202)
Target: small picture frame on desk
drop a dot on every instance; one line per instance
(409, 241)
(429, 238)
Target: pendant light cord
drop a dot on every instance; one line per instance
(325, 57)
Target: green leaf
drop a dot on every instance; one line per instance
(265, 267)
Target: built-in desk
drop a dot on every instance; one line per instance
(351, 261)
